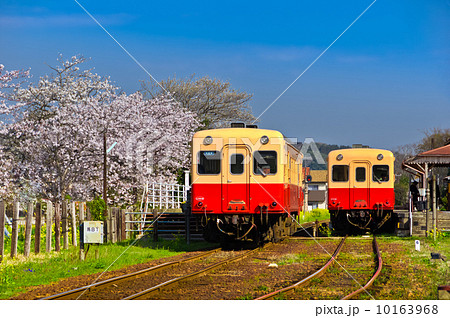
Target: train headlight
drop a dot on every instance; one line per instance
(264, 139)
(208, 140)
(339, 157)
(380, 157)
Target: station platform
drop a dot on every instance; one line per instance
(422, 222)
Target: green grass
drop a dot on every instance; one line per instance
(316, 214)
(294, 258)
(17, 275)
(420, 276)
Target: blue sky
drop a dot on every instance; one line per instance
(383, 83)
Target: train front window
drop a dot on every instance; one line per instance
(380, 173)
(208, 162)
(265, 162)
(360, 174)
(340, 173)
(237, 163)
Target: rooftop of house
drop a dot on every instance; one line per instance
(318, 175)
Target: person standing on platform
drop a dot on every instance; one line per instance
(414, 193)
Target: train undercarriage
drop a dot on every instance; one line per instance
(366, 220)
(260, 228)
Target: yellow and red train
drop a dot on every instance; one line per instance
(247, 184)
(360, 188)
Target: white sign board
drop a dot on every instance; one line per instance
(92, 232)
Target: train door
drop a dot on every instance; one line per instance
(359, 184)
(287, 182)
(235, 179)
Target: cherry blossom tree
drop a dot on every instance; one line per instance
(150, 136)
(9, 82)
(68, 84)
(62, 123)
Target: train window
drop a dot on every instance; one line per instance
(208, 162)
(340, 173)
(237, 163)
(360, 174)
(265, 162)
(380, 173)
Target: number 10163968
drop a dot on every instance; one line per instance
(407, 309)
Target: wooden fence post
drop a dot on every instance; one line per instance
(37, 229)
(128, 226)
(57, 227)
(28, 226)
(81, 211)
(113, 215)
(74, 224)
(15, 229)
(123, 235)
(118, 224)
(48, 227)
(65, 227)
(2, 229)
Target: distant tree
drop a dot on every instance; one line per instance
(215, 102)
(434, 138)
(324, 149)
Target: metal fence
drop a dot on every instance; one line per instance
(166, 196)
(156, 196)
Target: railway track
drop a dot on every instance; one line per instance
(122, 287)
(292, 289)
(168, 284)
(82, 291)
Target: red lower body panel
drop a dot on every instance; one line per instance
(361, 199)
(245, 198)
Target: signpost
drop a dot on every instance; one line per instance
(91, 232)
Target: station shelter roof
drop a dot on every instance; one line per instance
(439, 157)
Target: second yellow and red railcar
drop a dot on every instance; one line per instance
(360, 187)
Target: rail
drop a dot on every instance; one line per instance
(306, 280)
(377, 272)
(158, 288)
(75, 293)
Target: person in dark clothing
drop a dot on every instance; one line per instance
(414, 192)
